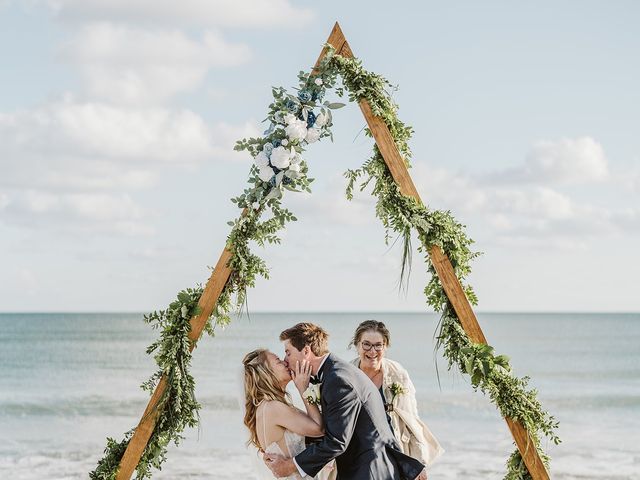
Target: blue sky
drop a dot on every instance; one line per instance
(117, 121)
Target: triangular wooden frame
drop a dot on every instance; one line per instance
(441, 262)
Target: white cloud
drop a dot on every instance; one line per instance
(205, 13)
(68, 144)
(565, 161)
(537, 212)
(65, 165)
(133, 65)
(76, 212)
(539, 202)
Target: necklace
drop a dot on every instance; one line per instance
(375, 375)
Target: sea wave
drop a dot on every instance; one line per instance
(97, 405)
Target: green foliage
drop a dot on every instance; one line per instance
(178, 407)
(400, 216)
(107, 468)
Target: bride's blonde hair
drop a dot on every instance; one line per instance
(260, 384)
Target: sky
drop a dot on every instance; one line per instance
(118, 120)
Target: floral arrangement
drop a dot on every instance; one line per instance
(312, 394)
(396, 389)
(296, 121)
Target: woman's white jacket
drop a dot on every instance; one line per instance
(414, 437)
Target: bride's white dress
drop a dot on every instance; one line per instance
(294, 444)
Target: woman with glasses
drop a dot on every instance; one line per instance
(372, 339)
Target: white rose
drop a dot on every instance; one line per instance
(292, 175)
(321, 120)
(274, 193)
(280, 157)
(289, 118)
(255, 205)
(296, 130)
(295, 157)
(294, 167)
(318, 81)
(261, 160)
(313, 134)
(284, 142)
(266, 173)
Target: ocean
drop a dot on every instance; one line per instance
(68, 381)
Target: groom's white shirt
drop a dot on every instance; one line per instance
(302, 472)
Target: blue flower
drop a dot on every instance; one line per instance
(269, 130)
(276, 143)
(291, 105)
(311, 119)
(287, 181)
(267, 148)
(304, 95)
(272, 182)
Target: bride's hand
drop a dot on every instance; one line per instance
(301, 375)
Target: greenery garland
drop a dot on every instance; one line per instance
(295, 121)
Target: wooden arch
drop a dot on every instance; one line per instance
(441, 262)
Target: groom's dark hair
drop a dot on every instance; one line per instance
(304, 334)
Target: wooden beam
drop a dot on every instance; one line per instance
(144, 430)
(442, 264)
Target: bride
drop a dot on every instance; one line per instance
(275, 425)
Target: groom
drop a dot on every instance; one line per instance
(357, 433)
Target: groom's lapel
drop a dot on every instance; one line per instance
(326, 367)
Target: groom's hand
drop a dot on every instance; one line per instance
(423, 475)
(279, 465)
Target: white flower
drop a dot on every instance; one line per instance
(295, 157)
(183, 311)
(313, 134)
(318, 81)
(292, 174)
(255, 205)
(312, 393)
(284, 142)
(261, 160)
(274, 193)
(289, 118)
(293, 171)
(321, 120)
(265, 173)
(280, 157)
(296, 130)
(294, 167)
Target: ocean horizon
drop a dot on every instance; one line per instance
(71, 379)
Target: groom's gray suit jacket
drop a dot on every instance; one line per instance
(357, 433)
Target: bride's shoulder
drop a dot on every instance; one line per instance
(274, 406)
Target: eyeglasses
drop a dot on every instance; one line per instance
(368, 346)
